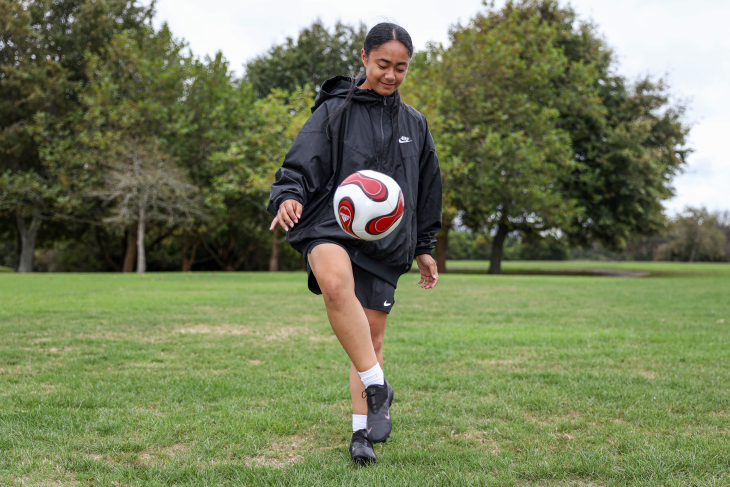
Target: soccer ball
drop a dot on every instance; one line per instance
(369, 205)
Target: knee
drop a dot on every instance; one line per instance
(336, 290)
(378, 344)
(376, 334)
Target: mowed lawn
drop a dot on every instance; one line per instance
(236, 379)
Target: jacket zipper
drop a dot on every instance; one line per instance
(382, 134)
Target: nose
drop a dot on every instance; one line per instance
(390, 75)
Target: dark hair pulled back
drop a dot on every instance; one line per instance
(377, 36)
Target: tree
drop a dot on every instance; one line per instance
(541, 135)
(697, 235)
(118, 139)
(424, 90)
(316, 55)
(142, 184)
(627, 153)
(43, 46)
(509, 82)
(246, 170)
(215, 113)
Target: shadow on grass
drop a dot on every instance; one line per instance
(555, 272)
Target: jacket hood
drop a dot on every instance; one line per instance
(339, 86)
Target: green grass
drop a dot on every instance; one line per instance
(221, 379)
(655, 269)
(6, 269)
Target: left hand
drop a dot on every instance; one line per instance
(429, 271)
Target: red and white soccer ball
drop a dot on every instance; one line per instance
(369, 205)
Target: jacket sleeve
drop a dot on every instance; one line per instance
(428, 216)
(307, 166)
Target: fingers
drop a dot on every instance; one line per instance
(429, 281)
(291, 211)
(282, 221)
(298, 209)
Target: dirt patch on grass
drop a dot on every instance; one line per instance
(65, 480)
(155, 457)
(482, 440)
(280, 454)
(223, 329)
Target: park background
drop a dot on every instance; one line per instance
(123, 151)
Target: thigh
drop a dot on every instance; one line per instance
(332, 267)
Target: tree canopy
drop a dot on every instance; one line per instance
(121, 146)
(316, 55)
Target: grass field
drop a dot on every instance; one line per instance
(222, 379)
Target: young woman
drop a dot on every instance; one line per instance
(362, 124)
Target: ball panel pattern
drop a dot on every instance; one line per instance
(373, 189)
(381, 224)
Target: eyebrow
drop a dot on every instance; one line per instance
(388, 61)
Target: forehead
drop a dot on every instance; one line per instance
(394, 51)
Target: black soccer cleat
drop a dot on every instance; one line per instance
(361, 450)
(379, 400)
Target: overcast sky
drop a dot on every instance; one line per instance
(687, 41)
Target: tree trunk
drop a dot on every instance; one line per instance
(141, 257)
(131, 252)
(442, 247)
(693, 252)
(104, 253)
(495, 262)
(28, 235)
(188, 253)
(274, 261)
(18, 250)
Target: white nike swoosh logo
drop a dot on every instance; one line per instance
(369, 429)
(386, 303)
(387, 416)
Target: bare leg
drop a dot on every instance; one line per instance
(333, 269)
(377, 320)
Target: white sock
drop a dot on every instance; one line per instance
(372, 376)
(359, 422)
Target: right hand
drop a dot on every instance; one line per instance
(289, 213)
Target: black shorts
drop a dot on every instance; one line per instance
(372, 291)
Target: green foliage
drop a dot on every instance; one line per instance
(537, 131)
(468, 246)
(626, 151)
(698, 235)
(474, 246)
(316, 55)
(43, 46)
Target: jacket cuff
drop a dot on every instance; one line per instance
(421, 251)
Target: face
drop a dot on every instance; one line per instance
(386, 67)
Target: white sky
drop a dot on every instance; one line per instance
(687, 41)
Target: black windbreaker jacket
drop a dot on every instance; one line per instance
(372, 132)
